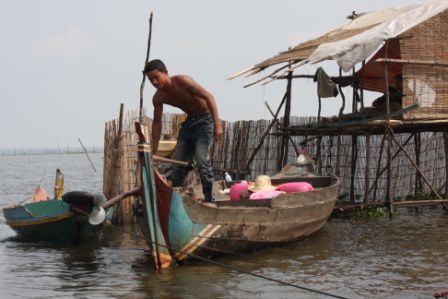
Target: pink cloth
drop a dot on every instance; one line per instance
(295, 187)
(40, 194)
(265, 194)
(237, 189)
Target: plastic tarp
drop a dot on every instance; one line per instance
(392, 22)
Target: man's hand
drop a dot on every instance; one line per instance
(218, 133)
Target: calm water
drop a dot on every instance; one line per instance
(402, 258)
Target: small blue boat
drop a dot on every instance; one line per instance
(55, 220)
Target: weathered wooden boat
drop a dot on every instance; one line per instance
(55, 220)
(178, 227)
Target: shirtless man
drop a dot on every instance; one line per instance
(197, 133)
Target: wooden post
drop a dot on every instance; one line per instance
(389, 200)
(341, 111)
(120, 121)
(367, 170)
(378, 172)
(361, 83)
(286, 122)
(354, 90)
(319, 154)
(417, 147)
(354, 158)
(319, 110)
(338, 156)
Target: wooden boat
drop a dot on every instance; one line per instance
(178, 227)
(55, 220)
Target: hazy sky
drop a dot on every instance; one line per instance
(67, 65)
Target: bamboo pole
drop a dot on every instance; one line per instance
(361, 83)
(142, 85)
(404, 61)
(87, 154)
(378, 174)
(341, 111)
(389, 199)
(354, 158)
(319, 154)
(415, 203)
(417, 147)
(286, 121)
(367, 170)
(338, 156)
(120, 121)
(354, 91)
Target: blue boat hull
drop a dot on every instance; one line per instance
(48, 221)
(55, 221)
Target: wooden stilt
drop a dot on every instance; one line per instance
(338, 156)
(367, 170)
(285, 140)
(417, 147)
(319, 154)
(378, 172)
(389, 199)
(354, 158)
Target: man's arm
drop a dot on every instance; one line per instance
(156, 124)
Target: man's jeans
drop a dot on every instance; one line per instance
(194, 142)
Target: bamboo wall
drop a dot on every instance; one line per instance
(360, 161)
(425, 80)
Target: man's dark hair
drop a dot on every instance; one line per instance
(155, 65)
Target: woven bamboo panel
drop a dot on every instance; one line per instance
(426, 84)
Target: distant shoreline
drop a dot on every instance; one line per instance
(48, 151)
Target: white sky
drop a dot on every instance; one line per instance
(67, 65)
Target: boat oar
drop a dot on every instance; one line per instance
(99, 214)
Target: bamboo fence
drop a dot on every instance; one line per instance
(359, 160)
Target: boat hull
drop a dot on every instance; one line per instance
(55, 221)
(48, 221)
(193, 230)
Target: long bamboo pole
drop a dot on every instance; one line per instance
(389, 199)
(87, 154)
(142, 85)
(286, 121)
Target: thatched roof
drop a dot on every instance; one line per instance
(355, 41)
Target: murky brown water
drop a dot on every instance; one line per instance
(405, 257)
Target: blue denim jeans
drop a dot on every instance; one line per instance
(194, 142)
